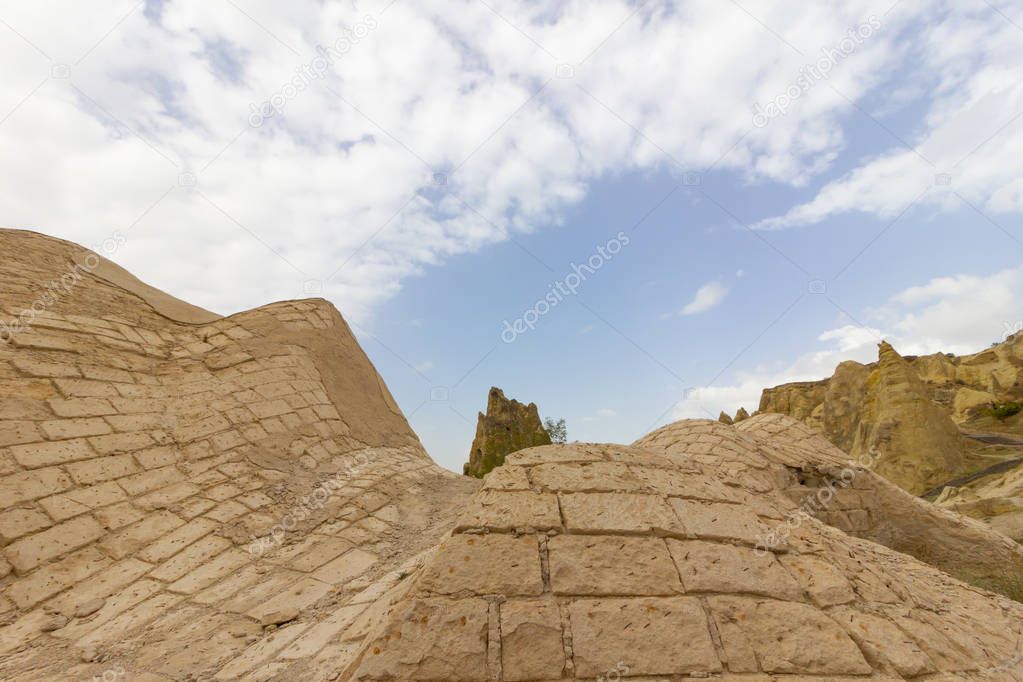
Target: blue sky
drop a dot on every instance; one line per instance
(613, 384)
(796, 182)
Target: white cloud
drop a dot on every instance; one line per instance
(424, 366)
(969, 152)
(342, 188)
(708, 297)
(606, 412)
(963, 314)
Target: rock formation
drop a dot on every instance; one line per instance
(676, 558)
(190, 497)
(172, 481)
(508, 426)
(928, 423)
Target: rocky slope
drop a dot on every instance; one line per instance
(173, 484)
(190, 497)
(684, 556)
(507, 426)
(925, 422)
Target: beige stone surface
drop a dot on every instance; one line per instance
(588, 565)
(618, 513)
(241, 499)
(788, 637)
(532, 641)
(431, 640)
(715, 567)
(486, 564)
(651, 636)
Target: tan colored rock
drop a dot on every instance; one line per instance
(718, 521)
(788, 637)
(618, 512)
(714, 567)
(254, 469)
(434, 639)
(650, 636)
(486, 564)
(883, 641)
(925, 422)
(597, 566)
(532, 641)
(503, 511)
(824, 584)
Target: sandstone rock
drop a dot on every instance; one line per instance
(926, 422)
(741, 415)
(279, 616)
(532, 641)
(86, 609)
(692, 553)
(725, 418)
(884, 413)
(507, 426)
(55, 622)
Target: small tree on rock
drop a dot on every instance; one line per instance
(556, 430)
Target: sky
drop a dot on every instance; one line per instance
(626, 212)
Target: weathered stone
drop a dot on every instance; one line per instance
(824, 583)
(716, 521)
(788, 637)
(87, 608)
(883, 641)
(485, 564)
(349, 565)
(617, 512)
(713, 567)
(532, 645)
(27, 553)
(432, 639)
(506, 511)
(595, 477)
(651, 636)
(596, 566)
(15, 523)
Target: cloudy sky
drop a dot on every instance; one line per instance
(628, 212)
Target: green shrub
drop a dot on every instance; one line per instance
(1005, 410)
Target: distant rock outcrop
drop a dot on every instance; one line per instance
(923, 422)
(508, 426)
(882, 413)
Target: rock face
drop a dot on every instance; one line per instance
(190, 497)
(927, 423)
(171, 479)
(685, 556)
(507, 426)
(884, 412)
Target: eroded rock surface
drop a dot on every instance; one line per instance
(241, 499)
(926, 423)
(674, 559)
(168, 489)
